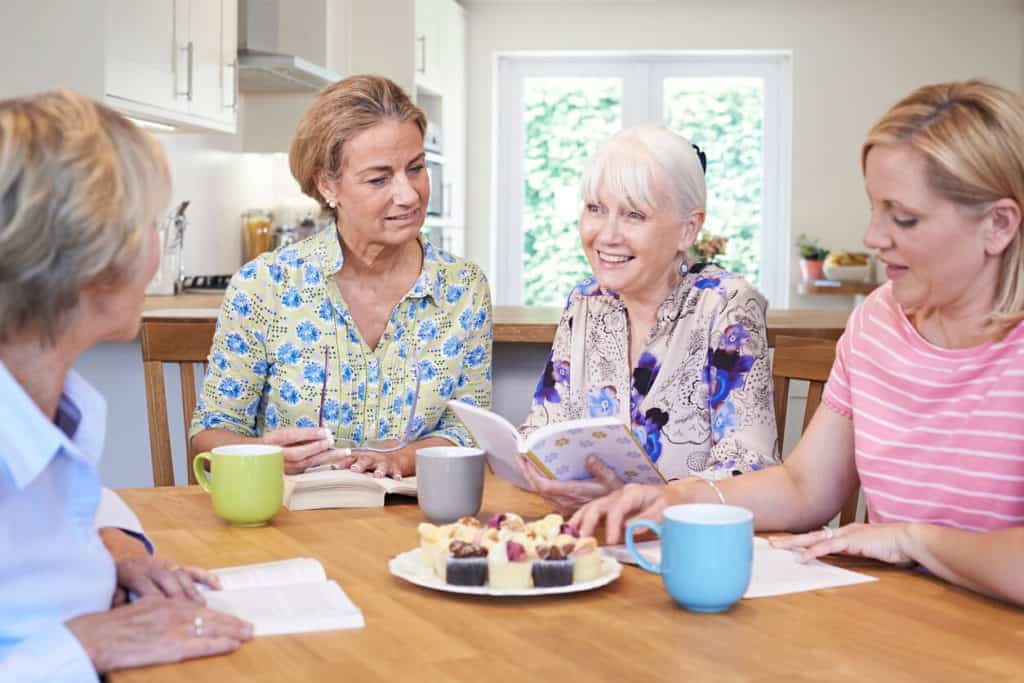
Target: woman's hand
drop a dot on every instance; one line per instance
(150, 576)
(620, 506)
(156, 631)
(567, 496)
(396, 464)
(885, 542)
(306, 447)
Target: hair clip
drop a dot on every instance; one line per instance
(702, 157)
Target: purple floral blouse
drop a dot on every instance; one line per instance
(700, 398)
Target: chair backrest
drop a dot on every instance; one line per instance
(804, 358)
(185, 341)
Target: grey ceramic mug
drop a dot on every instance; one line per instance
(449, 482)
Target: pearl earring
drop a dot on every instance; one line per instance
(331, 203)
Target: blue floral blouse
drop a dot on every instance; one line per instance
(283, 310)
(700, 397)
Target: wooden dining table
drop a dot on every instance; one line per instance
(907, 626)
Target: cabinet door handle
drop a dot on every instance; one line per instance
(189, 51)
(422, 40)
(446, 197)
(234, 86)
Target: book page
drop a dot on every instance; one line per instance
(562, 449)
(406, 486)
(497, 437)
(290, 609)
(282, 573)
(776, 571)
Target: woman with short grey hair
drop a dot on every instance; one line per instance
(675, 348)
(80, 190)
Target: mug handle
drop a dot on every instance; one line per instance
(640, 559)
(197, 467)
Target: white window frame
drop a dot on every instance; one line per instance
(642, 74)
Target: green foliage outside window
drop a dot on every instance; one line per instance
(565, 121)
(725, 117)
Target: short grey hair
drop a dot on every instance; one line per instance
(626, 164)
(80, 189)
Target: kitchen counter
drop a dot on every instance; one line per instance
(526, 324)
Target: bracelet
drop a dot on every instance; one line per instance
(718, 491)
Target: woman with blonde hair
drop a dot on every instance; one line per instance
(80, 190)
(346, 347)
(675, 348)
(925, 403)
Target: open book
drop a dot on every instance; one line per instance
(559, 450)
(290, 596)
(322, 487)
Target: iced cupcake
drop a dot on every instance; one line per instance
(508, 566)
(433, 543)
(586, 560)
(466, 564)
(554, 566)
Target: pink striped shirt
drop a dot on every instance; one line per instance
(938, 433)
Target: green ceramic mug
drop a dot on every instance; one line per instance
(245, 481)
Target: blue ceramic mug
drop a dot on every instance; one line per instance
(706, 554)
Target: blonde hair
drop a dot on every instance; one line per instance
(972, 135)
(626, 164)
(80, 188)
(339, 113)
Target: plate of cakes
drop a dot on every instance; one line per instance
(506, 556)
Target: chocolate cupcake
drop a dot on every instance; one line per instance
(553, 566)
(467, 564)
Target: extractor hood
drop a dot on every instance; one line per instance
(265, 64)
(272, 72)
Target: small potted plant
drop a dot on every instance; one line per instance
(812, 257)
(707, 248)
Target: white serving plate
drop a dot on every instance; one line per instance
(409, 567)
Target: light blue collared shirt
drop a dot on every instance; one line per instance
(53, 565)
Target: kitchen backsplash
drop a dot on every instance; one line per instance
(221, 182)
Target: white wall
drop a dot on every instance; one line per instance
(851, 60)
(75, 33)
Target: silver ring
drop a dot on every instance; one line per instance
(197, 626)
(828, 532)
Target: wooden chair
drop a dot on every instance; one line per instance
(804, 358)
(185, 341)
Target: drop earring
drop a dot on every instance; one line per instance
(684, 266)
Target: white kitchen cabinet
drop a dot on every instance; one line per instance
(141, 52)
(427, 57)
(452, 37)
(441, 92)
(173, 61)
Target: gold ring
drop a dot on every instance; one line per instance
(173, 567)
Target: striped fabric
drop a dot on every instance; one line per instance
(938, 433)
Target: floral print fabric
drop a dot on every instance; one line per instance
(700, 396)
(283, 310)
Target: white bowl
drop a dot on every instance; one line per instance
(847, 273)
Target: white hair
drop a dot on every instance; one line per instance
(628, 162)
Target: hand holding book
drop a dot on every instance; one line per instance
(568, 496)
(559, 451)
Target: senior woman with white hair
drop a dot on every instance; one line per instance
(676, 349)
(80, 189)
